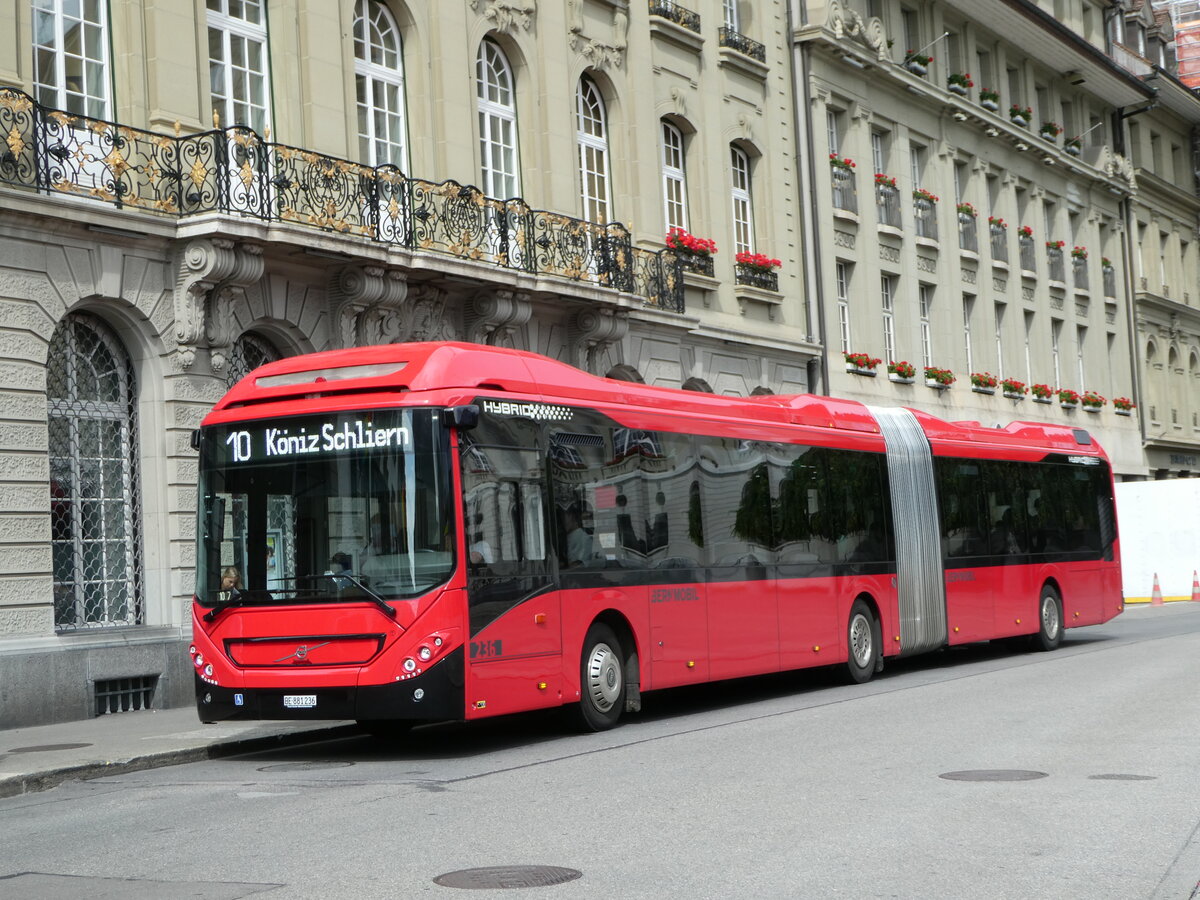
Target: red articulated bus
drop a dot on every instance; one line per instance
(438, 531)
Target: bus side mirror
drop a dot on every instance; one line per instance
(463, 417)
(195, 438)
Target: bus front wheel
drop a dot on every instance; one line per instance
(863, 642)
(1050, 620)
(601, 679)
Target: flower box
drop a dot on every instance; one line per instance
(1046, 400)
(1067, 404)
(860, 370)
(1123, 412)
(990, 105)
(861, 363)
(935, 384)
(1014, 395)
(1091, 409)
(980, 389)
(902, 372)
(901, 379)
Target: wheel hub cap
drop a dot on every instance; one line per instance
(604, 677)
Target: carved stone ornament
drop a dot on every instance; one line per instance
(213, 274)
(507, 16)
(847, 24)
(365, 304)
(599, 54)
(592, 332)
(494, 316)
(1118, 166)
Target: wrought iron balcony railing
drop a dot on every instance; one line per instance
(1080, 271)
(235, 172)
(999, 242)
(767, 279)
(681, 16)
(887, 202)
(925, 218)
(735, 40)
(845, 192)
(1028, 254)
(968, 233)
(1054, 259)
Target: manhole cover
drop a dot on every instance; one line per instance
(1120, 777)
(42, 748)
(311, 766)
(507, 877)
(993, 775)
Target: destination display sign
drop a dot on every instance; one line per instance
(285, 440)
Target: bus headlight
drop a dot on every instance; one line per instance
(410, 664)
(425, 654)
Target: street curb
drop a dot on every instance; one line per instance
(16, 785)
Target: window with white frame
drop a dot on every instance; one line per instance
(925, 304)
(999, 319)
(887, 301)
(968, 310)
(497, 123)
(1080, 342)
(237, 63)
(70, 56)
(743, 208)
(674, 183)
(591, 135)
(729, 9)
(833, 131)
(1029, 319)
(843, 303)
(916, 159)
(379, 86)
(1055, 348)
(879, 151)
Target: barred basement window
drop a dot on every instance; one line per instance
(95, 500)
(118, 695)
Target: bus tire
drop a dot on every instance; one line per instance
(1050, 620)
(601, 679)
(863, 643)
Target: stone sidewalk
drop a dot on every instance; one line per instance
(41, 757)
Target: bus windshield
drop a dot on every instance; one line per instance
(348, 505)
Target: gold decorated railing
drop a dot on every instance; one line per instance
(235, 171)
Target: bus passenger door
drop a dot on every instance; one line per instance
(514, 652)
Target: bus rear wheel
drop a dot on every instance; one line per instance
(863, 642)
(1050, 620)
(601, 679)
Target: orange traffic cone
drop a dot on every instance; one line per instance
(1156, 598)
(1195, 587)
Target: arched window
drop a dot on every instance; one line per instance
(497, 123)
(673, 178)
(249, 352)
(743, 209)
(237, 63)
(379, 83)
(95, 503)
(591, 131)
(70, 56)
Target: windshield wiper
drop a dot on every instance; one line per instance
(379, 601)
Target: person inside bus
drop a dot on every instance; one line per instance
(580, 548)
(231, 583)
(340, 570)
(1002, 538)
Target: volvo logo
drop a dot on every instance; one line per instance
(300, 654)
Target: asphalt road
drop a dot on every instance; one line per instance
(1076, 774)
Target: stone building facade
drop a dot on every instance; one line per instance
(191, 188)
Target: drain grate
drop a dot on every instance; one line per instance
(118, 695)
(508, 877)
(993, 775)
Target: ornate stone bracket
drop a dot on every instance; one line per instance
(493, 317)
(213, 274)
(847, 24)
(592, 332)
(424, 316)
(365, 305)
(599, 54)
(1118, 166)
(507, 16)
